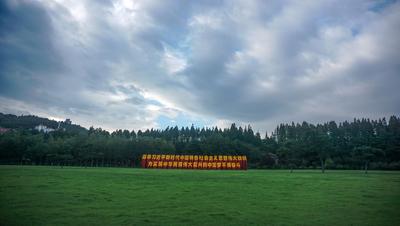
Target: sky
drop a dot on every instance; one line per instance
(121, 64)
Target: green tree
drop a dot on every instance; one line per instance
(366, 154)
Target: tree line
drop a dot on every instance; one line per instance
(359, 144)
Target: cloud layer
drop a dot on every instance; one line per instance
(142, 64)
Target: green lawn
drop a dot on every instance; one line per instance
(116, 196)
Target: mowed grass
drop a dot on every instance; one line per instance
(120, 196)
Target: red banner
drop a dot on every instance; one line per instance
(216, 162)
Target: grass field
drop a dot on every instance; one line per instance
(117, 196)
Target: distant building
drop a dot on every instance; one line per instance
(43, 128)
(4, 130)
(68, 121)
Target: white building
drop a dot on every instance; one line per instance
(43, 128)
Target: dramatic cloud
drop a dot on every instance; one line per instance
(141, 64)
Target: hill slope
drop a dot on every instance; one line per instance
(30, 121)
